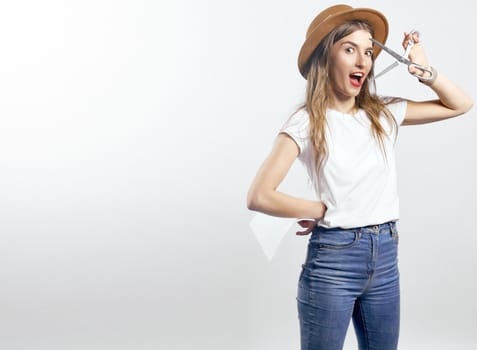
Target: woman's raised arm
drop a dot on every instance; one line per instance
(452, 101)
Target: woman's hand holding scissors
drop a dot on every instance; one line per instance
(415, 53)
(414, 57)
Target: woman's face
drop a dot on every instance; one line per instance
(350, 63)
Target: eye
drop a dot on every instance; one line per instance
(349, 49)
(369, 53)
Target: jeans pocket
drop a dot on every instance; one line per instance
(338, 239)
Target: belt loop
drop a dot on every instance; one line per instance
(392, 225)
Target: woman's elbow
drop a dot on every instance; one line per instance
(255, 200)
(252, 200)
(465, 105)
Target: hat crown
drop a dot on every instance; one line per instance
(329, 12)
(331, 18)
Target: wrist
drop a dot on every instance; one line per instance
(321, 210)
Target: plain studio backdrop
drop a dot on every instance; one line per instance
(130, 132)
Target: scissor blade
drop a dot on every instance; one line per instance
(391, 52)
(387, 69)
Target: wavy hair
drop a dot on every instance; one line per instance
(319, 92)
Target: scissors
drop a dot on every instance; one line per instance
(409, 46)
(405, 60)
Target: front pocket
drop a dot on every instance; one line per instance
(338, 239)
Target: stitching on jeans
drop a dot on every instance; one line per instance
(341, 246)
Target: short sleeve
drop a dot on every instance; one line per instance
(297, 127)
(398, 110)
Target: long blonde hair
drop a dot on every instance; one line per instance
(319, 92)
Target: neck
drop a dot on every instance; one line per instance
(347, 106)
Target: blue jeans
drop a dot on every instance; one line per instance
(350, 274)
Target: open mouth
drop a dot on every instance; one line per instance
(357, 78)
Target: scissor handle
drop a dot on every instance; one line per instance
(424, 70)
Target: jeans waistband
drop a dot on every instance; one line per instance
(376, 229)
(389, 226)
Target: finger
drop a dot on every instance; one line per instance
(302, 233)
(305, 232)
(413, 70)
(406, 39)
(415, 37)
(306, 222)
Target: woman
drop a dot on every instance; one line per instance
(345, 134)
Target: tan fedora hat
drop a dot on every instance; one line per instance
(331, 18)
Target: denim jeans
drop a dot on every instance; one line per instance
(350, 274)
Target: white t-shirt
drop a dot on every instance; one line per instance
(357, 182)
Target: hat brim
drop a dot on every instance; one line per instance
(374, 18)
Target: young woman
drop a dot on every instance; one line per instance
(345, 135)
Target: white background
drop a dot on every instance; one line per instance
(130, 132)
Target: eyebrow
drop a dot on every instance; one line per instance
(355, 45)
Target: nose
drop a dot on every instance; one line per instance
(362, 60)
